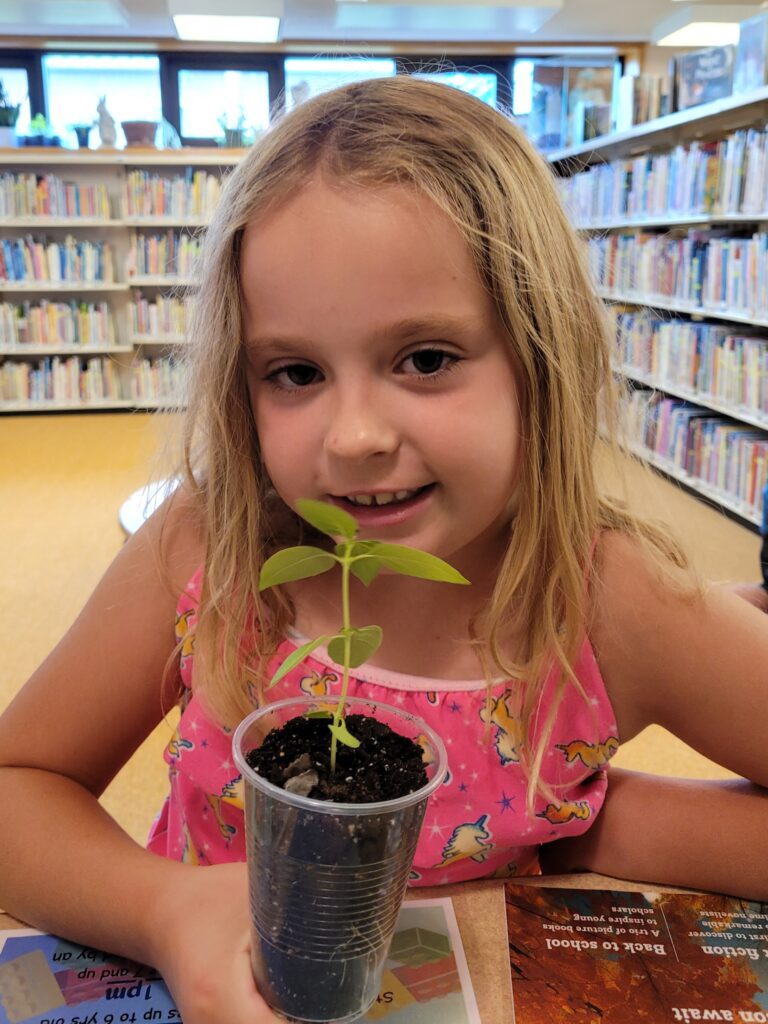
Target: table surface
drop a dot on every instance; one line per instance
(481, 918)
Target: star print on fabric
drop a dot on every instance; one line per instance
(463, 787)
(204, 743)
(194, 725)
(226, 766)
(455, 707)
(437, 830)
(506, 802)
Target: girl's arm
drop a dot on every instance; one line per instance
(65, 865)
(696, 664)
(755, 593)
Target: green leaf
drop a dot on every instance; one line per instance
(296, 563)
(355, 553)
(366, 568)
(318, 714)
(327, 518)
(363, 642)
(297, 656)
(342, 734)
(412, 562)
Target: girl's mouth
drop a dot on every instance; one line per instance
(384, 508)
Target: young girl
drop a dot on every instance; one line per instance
(394, 316)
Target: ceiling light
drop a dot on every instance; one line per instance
(701, 25)
(235, 21)
(703, 33)
(222, 28)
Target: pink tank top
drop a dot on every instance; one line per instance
(476, 824)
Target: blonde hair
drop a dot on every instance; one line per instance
(481, 170)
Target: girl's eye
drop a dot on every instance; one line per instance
(293, 377)
(429, 362)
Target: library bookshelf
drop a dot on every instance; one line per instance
(97, 261)
(675, 218)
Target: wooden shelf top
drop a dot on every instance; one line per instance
(188, 156)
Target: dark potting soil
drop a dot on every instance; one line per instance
(385, 766)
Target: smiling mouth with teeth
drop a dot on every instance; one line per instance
(385, 498)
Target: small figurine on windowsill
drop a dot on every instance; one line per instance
(106, 125)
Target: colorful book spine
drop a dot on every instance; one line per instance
(56, 380)
(193, 195)
(723, 177)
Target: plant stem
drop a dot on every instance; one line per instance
(338, 714)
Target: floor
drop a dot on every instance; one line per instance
(62, 481)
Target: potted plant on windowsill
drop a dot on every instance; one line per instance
(233, 137)
(9, 115)
(40, 133)
(334, 802)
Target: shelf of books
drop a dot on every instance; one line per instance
(97, 266)
(677, 241)
(717, 117)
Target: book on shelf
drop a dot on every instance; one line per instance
(56, 380)
(591, 956)
(193, 194)
(704, 270)
(704, 75)
(28, 259)
(56, 323)
(646, 98)
(710, 452)
(719, 177)
(751, 62)
(45, 978)
(46, 195)
(624, 103)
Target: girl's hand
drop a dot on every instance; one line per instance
(203, 947)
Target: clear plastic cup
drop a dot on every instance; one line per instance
(326, 880)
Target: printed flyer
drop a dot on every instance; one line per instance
(46, 980)
(601, 957)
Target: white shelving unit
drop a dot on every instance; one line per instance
(706, 122)
(110, 168)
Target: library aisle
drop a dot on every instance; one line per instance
(62, 481)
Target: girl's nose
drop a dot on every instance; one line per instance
(359, 428)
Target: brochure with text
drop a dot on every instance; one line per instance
(46, 980)
(602, 957)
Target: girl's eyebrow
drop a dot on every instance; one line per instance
(436, 326)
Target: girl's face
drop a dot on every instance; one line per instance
(379, 375)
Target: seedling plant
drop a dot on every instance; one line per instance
(364, 559)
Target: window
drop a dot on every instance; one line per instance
(211, 101)
(308, 76)
(483, 84)
(16, 86)
(550, 96)
(74, 82)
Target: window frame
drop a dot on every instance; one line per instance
(500, 66)
(31, 62)
(272, 62)
(171, 63)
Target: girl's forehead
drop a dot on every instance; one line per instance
(325, 196)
